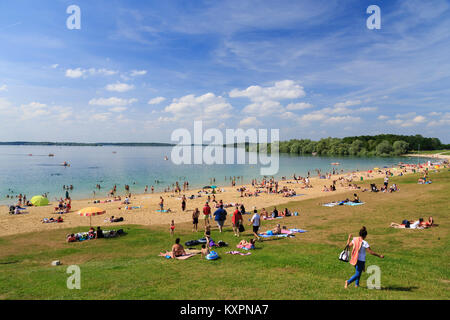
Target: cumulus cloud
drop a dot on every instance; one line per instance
(207, 106)
(407, 120)
(156, 100)
(250, 122)
(112, 102)
(263, 108)
(286, 89)
(119, 87)
(3, 87)
(74, 73)
(382, 117)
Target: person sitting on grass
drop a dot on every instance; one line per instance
(356, 198)
(177, 249)
(91, 233)
(205, 250)
(71, 238)
(99, 233)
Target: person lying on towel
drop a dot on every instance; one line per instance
(274, 231)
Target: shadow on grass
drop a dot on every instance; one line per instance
(397, 288)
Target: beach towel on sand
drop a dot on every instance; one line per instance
(239, 253)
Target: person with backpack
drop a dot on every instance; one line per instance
(360, 246)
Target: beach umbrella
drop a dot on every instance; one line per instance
(207, 187)
(39, 201)
(213, 187)
(376, 168)
(91, 211)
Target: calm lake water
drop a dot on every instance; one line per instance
(89, 166)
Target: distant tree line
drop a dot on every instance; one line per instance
(379, 145)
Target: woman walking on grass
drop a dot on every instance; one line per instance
(360, 246)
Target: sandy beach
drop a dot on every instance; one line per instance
(149, 203)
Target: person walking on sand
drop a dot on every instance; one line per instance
(195, 219)
(183, 203)
(360, 246)
(161, 203)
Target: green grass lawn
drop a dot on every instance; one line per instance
(416, 263)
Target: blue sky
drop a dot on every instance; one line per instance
(137, 70)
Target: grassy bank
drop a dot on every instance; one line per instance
(416, 264)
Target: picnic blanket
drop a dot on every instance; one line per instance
(239, 253)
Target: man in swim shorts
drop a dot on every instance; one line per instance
(206, 213)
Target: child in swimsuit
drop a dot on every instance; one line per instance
(172, 227)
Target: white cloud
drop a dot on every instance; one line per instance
(367, 109)
(135, 73)
(3, 88)
(103, 72)
(286, 89)
(156, 100)
(250, 122)
(74, 73)
(113, 101)
(100, 116)
(299, 106)
(119, 87)
(79, 72)
(347, 103)
(382, 117)
(443, 121)
(118, 109)
(407, 120)
(54, 66)
(263, 108)
(207, 106)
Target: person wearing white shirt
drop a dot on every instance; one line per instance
(256, 221)
(361, 262)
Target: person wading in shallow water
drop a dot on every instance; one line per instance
(360, 246)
